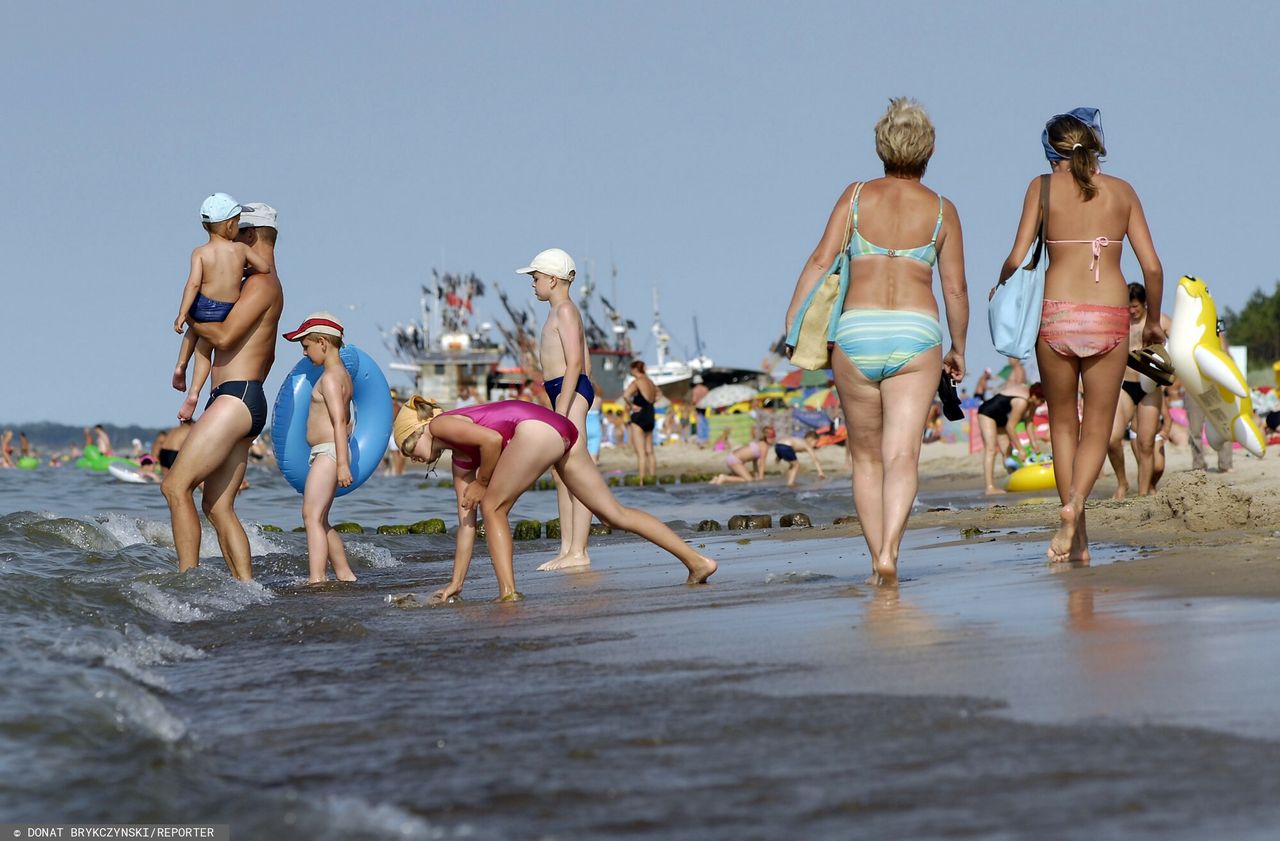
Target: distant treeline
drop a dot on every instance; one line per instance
(57, 436)
(1257, 327)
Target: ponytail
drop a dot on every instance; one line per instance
(1074, 140)
(1083, 165)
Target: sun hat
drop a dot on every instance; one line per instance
(322, 322)
(219, 208)
(554, 261)
(258, 215)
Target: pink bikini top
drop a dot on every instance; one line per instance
(1098, 244)
(503, 417)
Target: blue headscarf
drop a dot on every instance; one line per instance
(1091, 117)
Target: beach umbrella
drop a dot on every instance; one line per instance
(795, 397)
(726, 395)
(773, 392)
(823, 398)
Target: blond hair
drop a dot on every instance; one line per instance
(1081, 145)
(334, 341)
(904, 138)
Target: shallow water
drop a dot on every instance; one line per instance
(988, 699)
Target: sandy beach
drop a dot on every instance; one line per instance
(1202, 533)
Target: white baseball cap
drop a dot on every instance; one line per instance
(255, 214)
(554, 261)
(219, 207)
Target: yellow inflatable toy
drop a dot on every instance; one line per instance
(1209, 375)
(1032, 477)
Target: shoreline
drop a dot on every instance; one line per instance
(1204, 534)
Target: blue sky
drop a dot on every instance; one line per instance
(699, 146)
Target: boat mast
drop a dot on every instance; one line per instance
(659, 333)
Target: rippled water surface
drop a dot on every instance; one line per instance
(988, 699)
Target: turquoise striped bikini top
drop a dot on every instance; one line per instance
(859, 247)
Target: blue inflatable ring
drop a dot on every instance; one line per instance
(372, 398)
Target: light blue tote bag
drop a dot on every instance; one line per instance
(1014, 312)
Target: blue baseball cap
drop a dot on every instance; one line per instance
(219, 208)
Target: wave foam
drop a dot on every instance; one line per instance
(375, 556)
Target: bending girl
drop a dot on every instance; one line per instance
(499, 450)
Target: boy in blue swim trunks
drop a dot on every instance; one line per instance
(566, 368)
(212, 289)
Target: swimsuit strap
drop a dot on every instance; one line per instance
(1098, 244)
(857, 191)
(938, 227)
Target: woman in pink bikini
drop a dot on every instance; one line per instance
(1084, 328)
(499, 451)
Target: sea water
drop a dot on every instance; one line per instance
(985, 699)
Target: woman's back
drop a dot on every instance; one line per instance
(1085, 240)
(898, 232)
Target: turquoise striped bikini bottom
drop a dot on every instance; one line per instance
(881, 342)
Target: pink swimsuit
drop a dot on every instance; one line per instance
(503, 417)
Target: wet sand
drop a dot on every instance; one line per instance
(1202, 534)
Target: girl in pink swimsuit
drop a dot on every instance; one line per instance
(499, 451)
(1084, 320)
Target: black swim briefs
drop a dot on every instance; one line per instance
(253, 397)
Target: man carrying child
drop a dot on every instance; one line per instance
(217, 448)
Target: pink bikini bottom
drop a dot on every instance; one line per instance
(1075, 329)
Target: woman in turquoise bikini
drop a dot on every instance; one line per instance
(888, 356)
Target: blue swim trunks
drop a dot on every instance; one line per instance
(206, 310)
(555, 386)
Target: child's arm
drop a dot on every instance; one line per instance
(569, 327)
(260, 264)
(189, 292)
(465, 542)
(337, 400)
(255, 300)
(817, 465)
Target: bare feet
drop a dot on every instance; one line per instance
(884, 572)
(179, 379)
(509, 597)
(1063, 541)
(566, 562)
(1121, 492)
(347, 576)
(992, 490)
(188, 409)
(701, 570)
